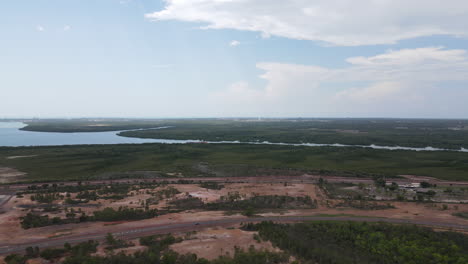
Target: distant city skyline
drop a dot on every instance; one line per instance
(239, 58)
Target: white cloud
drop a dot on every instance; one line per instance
(40, 28)
(67, 28)
(234, 43)
(337, 22)
(397, 83)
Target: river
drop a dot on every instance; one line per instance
(12, 136)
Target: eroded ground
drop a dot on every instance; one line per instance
(207, 243)
(213, 242)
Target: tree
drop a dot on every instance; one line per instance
(249, 212)
(425, 184)
(393, 186)
(379, 182)
(32, 252)
(110, 240)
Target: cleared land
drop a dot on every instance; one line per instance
(161, 196)
(204, 213)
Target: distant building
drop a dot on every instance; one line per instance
(412, 185)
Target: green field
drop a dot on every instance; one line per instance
(101, 161)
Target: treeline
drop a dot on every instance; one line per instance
(52, 254)
(46, 193)
(365, 205)
(360, 242)
(159, 195)
(212, 185)
(32, 220)
(46, 197)
(234, 202)
(91, 192)
(157, 252)
(408, 133)
(152, 256)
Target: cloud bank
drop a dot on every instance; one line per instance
(407, 82)
(336, 22)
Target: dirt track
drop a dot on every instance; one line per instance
(11, 188)
(405, 212)
(190, 226)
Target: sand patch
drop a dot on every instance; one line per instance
(8, 175)
(214, 242)
(19, 157)
(247, 190)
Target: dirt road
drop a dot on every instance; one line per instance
(11, 188)
(6, 248)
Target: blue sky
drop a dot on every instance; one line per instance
(148, 58)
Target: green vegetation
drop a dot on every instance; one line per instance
(441, 133)
(226, 160)
(212, 185)
(157, 196)
(365, 205)
(161, 241)
(113, 243)
(46, 198)
(87, 125)
(462, 215)
(331, 242)
(85, 192)
(54, 254)
(354, 242)
(32, 220)
(451, 134)
(123, 213)
(337, 189)
(158, 252)
(234, 202)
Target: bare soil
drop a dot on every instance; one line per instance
(8, 175)
(11, 231)
(214, 242)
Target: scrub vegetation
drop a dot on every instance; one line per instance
(225, 160)
(88, 125)
(354, 242)
(302, 243)
(442, 133)
(451, 134)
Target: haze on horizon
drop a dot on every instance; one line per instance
(211, 58)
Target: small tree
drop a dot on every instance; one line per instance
(249, 212)
(67, 246)
(425, 184)
(110, 240)
(32, 252)
(379, 182)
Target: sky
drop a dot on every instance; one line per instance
(234, 58)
